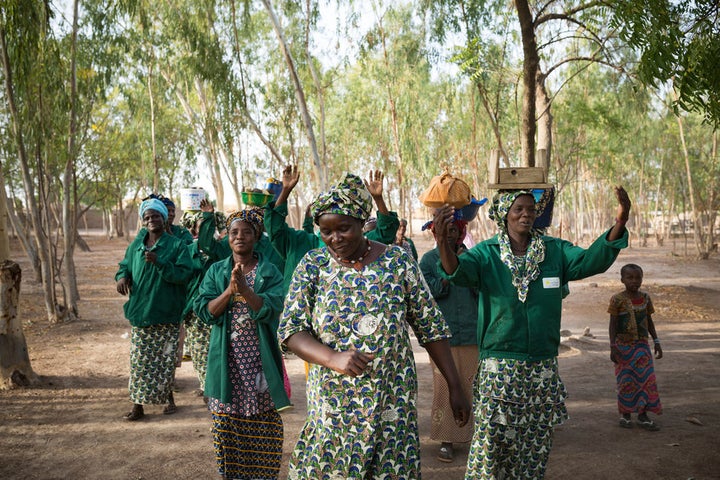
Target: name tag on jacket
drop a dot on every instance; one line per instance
(551, 282)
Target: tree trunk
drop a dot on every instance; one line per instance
(15, 368)
(544, 123)
(698, 234)
(69, 220)
(4, 237)
(530, 69)
(43, 245)
(299, 96)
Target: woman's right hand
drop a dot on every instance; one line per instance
(614, 354)
(123, 286)
(350, 362)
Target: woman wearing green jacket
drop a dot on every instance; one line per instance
(519, 396)
(153, 273)
(241, 297)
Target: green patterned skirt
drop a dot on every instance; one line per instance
(516, 404)
(197, 343)
(152, 363)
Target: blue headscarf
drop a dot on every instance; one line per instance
(154, 204)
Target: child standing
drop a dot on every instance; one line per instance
(630, 323)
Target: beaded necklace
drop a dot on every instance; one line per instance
(356, 264)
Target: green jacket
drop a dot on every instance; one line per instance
(200, 264)
(268, 285)
(292, 245)
(182, 233)
(157, 291)
(219, 249)
(459, 305)
(527, 331)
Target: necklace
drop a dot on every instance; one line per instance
(519, 251)
(356, 264)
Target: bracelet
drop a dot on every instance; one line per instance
(621, 222)
(656, 340)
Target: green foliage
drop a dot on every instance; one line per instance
(679, 43)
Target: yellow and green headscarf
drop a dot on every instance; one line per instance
(521, 277)
(349, 197)
(253, 216)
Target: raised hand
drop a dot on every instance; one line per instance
(624, 203)
(290, 176)
(206, 205)
(374, 183)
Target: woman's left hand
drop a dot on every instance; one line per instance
(374, 183)
(150, 256)
(460, 406)
(623, 212)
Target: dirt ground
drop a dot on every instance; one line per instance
(70, 425)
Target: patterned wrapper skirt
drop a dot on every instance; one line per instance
(152, 363)
(636, 386)
(443, 427)
(197, 342)
(516, 406)
(248, 448)
(247, 431)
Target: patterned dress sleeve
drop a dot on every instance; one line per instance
(423, 314)
(300, 300)
(615, 305)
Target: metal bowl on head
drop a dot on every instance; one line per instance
(256, 199)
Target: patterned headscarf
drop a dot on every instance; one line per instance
(190, 218)
(253, 216)
(521, 277)
(349, 197)
(153, 204)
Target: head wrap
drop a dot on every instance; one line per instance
(190, 218)
(253, 216)
(461, 225)
(523, 269)
(153, 204)
(166, 201)
(349, 197)
(158, 196)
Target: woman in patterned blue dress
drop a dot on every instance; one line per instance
(348, 313)
(242, 298)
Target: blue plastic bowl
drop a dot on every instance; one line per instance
(469, 211)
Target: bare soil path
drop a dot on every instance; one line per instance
(70, 425)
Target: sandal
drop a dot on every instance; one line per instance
(625, 423)
(135, 414)
(649, 425)
(445, 454)
(169, 409)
